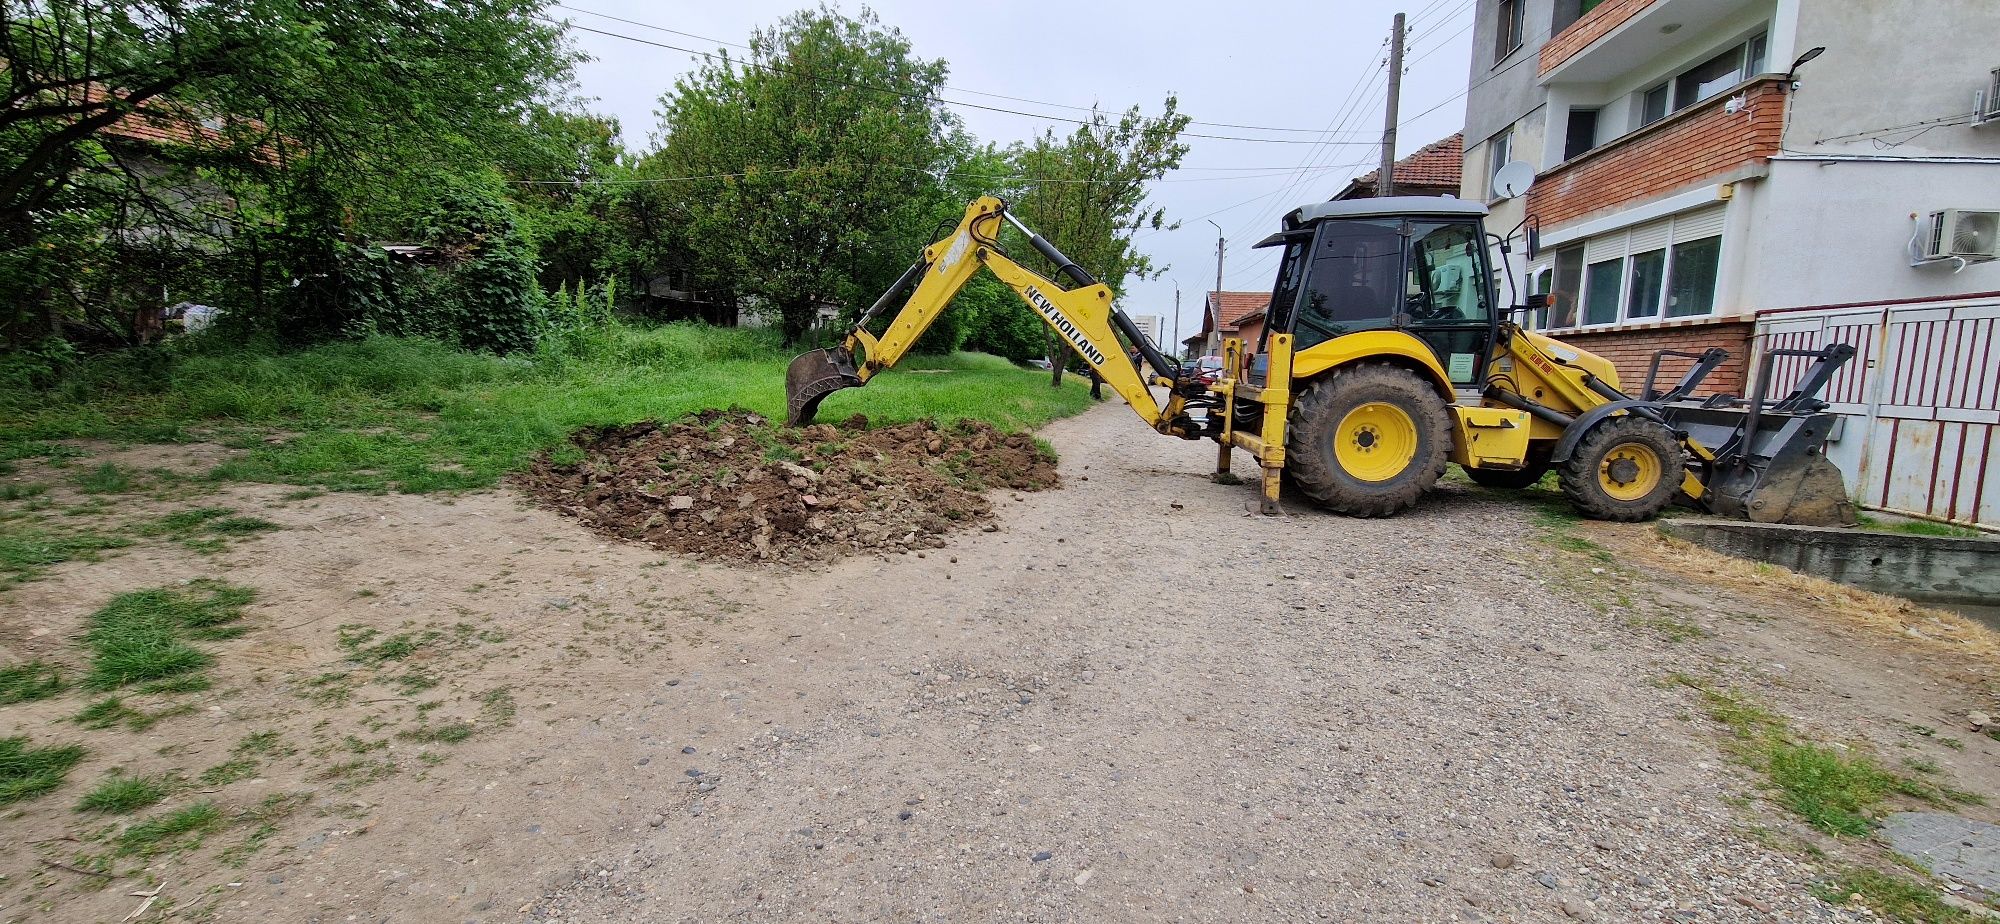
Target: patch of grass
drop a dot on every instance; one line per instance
(362, 647)
(206, 529)
(407, 415)
(105, 713)
(106, 478)
(163, 832)
(1898, 899)
(144, 635)
(27, 551)
(229, 771)
(1920, 528)
(27, 772)
(18, 490)
(450, 733)
(1835, 790)
(119, 795)
(29, 681)
(1669, 628)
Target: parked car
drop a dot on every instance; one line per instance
(1207, 369)
(1041, 364)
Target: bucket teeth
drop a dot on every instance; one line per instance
(1802, 491)
(811, 377)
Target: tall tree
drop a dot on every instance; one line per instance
(1087, 193)
(367, 88)
(803, 175)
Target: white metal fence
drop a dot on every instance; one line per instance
(1922, 399)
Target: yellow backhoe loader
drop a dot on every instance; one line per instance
(1385, 357)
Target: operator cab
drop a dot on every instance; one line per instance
(1416, 264)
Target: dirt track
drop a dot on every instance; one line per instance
(1111, 709)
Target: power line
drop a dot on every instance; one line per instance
(1018, 99)
(649, 181)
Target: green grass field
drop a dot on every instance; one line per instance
(413, 416)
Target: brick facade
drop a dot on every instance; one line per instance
(1632, 349)
(1699, 143)
(1588, 28)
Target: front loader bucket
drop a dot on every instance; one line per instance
(1803, 490)
(811, 377)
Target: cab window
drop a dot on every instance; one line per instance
(1445, 283)
(1352, 286)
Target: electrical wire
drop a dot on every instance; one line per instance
(1018, 99)
(649, 181)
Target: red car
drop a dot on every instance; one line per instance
(1208, 369)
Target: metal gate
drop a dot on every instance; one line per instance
(1921, 399)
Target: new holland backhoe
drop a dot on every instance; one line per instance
(1385, 357)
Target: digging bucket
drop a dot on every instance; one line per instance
(811, 377)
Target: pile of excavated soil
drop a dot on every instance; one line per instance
(730, 484)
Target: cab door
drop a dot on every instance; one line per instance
(1447, 296)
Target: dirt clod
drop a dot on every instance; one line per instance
(729, 484)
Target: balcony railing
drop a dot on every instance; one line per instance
(1587, 29)
(1710, 139)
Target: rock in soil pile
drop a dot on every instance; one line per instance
(730, 484)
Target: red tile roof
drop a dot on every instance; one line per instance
(1437, 164)
(1236, 307)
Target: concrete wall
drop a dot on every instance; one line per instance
(1927, 569)
(1504, 90)
(1837, 232)
(1893, 63)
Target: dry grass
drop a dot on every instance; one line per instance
(1860, 609)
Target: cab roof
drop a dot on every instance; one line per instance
(1389, 207)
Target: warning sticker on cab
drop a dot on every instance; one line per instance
(1461, 367)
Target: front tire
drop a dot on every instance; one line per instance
(1626, 469)
(1368, 440)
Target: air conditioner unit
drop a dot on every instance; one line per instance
(1986, 103)
(1963, 234)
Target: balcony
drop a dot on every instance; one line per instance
(1712, 140)
(1618, 34)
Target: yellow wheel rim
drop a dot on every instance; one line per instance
(1630, 471)
(1375, 442)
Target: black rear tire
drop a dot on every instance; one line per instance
(1625, 469)
(1512, 481)
(1314, 437)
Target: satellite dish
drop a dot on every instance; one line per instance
(1513, 179)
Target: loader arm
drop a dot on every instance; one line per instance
(1083, 317)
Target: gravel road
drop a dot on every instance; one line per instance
(1134, 702)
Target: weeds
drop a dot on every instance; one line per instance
(119, 795)
(107, 478)
(14, 490)
(29, 681)
(1898, 899)
(27, 772)
(162, 832)
(25, 552)
(143, 635)
(1834, 790)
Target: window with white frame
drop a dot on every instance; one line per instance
(1499, 151)
(1726, 69)
(1661, 269)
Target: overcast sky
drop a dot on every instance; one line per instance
(1306, 65)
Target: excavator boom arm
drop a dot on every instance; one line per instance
(1083, 317)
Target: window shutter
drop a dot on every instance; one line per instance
(1699, 224)
(1651, 236)
(1604, 247)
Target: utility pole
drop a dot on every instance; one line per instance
(1385, 182)
(1215, 305)
(1177, 320)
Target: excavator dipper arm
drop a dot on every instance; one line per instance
(1083, 317)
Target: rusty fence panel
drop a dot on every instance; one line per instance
(1921, 402)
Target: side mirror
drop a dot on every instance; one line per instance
(1534, 239)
